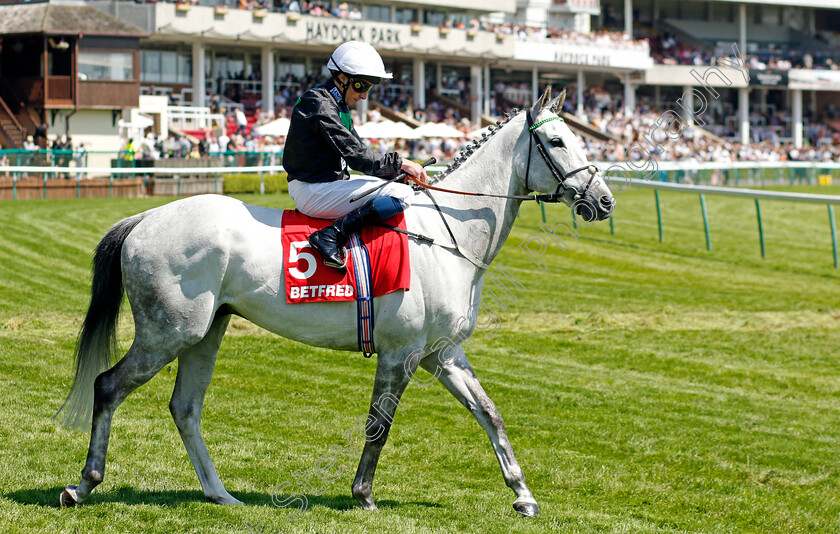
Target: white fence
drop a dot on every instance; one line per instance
(194, 118)
(621, 181)
(738, 173)
(621, 176)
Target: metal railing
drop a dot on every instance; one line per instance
(194, 118)
(736, 174)
(622, 179)
(620, 176)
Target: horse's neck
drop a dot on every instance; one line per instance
(484, 223)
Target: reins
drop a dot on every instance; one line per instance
(555, 172)
(552, 197)
(539, 198)
(451, 246)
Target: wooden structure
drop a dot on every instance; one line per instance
(63, 57)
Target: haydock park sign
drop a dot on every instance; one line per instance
(337, 32)
(577, 58)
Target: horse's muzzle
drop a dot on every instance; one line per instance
(601, 209)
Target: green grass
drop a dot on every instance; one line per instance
(646, 387)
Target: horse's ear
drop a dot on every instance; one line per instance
(543, 101)
(557, 103)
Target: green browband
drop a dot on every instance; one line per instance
(537, 125)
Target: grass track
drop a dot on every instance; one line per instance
(646, 387)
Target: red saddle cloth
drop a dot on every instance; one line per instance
(309, 280)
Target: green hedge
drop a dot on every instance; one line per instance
(250, 183)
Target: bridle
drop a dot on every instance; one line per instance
(553, 197)
(555, 172)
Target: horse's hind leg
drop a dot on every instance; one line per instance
(389, 385)
(195, 370)
(457, 376)
(140, 364)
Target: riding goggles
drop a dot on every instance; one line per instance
(360, 86)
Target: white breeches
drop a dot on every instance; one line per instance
(331, 200)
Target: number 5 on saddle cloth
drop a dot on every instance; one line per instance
(377, 264)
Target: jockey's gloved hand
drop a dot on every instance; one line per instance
(414, 172)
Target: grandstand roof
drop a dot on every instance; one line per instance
(47, 18)
(827, 4)
(489, 6)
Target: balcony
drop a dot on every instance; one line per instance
(282, 30)
(592, 7)
(58, 94)
(608, 55)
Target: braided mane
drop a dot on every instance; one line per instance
(470, 148)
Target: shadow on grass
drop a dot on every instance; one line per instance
(126, 495)
(333, 502)
(346, 502)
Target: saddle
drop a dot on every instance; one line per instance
(377, 264)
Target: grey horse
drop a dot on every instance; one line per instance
(190, 265)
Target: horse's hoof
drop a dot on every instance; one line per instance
(225, 499)
(369, 506)
(366, 503)
(526, 508)
(365, 498)
(68, 497)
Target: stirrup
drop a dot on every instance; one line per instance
(327, 243)
(342, 253)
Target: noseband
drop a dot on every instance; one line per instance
(555, 170)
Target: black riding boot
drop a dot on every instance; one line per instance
(330, 241)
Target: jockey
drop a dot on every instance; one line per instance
(322, 146)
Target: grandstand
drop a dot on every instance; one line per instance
(752, 77)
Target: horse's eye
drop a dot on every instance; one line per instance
(556, 141)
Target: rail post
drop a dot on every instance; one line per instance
(760, 229)
(542, 207)
(612, 225)
(833, 234)
(659, 216)
(705, 222)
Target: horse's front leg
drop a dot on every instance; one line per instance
(456, 374)
(389, 385)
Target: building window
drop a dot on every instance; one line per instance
(166, 66)
(287, 69)
(150, 66)
(406, 16)
(379, 13)
(117, 66)
(434, 18)
(185, 68)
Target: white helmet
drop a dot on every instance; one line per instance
(357, 58)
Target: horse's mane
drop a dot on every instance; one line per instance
(470, 148)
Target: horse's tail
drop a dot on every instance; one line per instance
(96, 345)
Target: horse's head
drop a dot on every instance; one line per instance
(557, 164)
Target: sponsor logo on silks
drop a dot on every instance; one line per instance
(343, 110)
(335, 94)
(334, 290)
